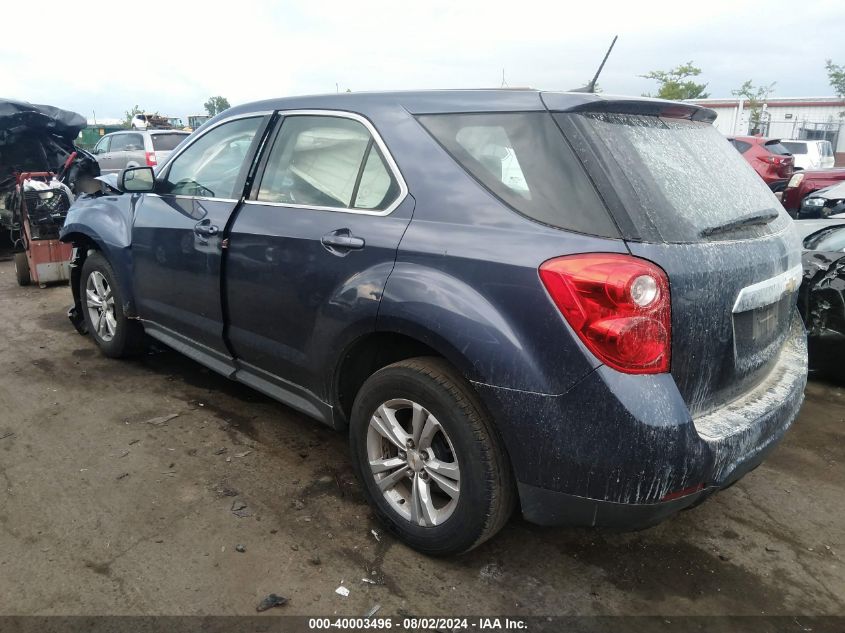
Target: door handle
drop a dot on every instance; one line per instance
(206, 229)
(342, 239)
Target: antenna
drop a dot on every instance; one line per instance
(591, 87)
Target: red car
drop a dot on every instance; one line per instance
(805, 182)
(768, 157)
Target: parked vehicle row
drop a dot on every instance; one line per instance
(581, 304)
(769, 158)
(792, 168)
(805, 195)
(810, 154)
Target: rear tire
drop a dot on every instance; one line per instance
(102, 307)
(22, 269)
(450, 487)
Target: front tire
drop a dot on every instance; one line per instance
(22, 269)
(102, 306)
(431, 463)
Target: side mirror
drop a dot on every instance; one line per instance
(137, 180)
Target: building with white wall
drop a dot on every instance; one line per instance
(786, 117)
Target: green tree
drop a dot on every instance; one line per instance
(836, 76)
(216, 105)
(129, 114)
(755, 97)
(675, 83)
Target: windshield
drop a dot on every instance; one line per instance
(683, 181)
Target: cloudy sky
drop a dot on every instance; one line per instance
(105, 57)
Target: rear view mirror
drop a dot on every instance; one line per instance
(137, 180)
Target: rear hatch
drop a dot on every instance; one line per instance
(779, 158)
(165, 143)
(684, 199)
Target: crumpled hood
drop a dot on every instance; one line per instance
(19, 117)
(40, 138)
(834, 192)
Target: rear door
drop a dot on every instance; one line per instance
(311, 250)
(686, 200)
(127, 150)
(178, 236)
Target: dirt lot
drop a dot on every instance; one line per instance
(104, 510)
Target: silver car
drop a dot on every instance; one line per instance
(119, 150)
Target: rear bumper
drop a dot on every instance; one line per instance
(613, 450)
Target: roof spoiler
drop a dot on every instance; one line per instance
(563, 102)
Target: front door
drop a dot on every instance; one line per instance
(105, 159)
(311, 250)
(178, 232)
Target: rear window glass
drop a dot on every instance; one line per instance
(685, 179)
(776, 147)
(127, 142)
(741, 146)
(166, 142)
(795, 148)
(524, 160)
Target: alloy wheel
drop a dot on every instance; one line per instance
(99, 299)
(413, 462)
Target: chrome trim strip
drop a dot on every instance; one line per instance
(387, 211)
(388, 158)
(768, 291)
(183, 197)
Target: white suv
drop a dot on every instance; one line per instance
(810, 154)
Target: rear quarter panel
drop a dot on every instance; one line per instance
(466, 278)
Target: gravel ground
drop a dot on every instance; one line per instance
(126, 487)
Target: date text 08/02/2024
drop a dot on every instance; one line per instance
(419, 624)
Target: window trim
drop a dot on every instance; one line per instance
(102, 138)
(386, 156)
(164, 170)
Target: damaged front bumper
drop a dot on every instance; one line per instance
(821, 302)
(622, 451)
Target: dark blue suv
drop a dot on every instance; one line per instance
(578, 303)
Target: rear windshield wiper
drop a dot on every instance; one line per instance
(746, 220)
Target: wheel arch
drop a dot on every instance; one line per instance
(373, 351)
(366, 355)
(86, 241)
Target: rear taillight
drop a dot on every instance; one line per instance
(777, 160)
(619, 306)
(151, 159)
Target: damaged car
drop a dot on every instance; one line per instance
(824, 203)
(806, 182)
(822, 296)
(40, 138)
(41, 170)
(579, 304)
